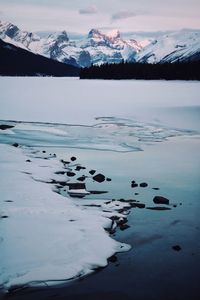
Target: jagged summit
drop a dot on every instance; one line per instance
(114, 34)
(59, 36)
(96, 33)
(12, 34)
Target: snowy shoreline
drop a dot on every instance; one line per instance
(46, 237)
(45, 231)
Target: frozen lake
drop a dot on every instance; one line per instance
(147, 131)
(74, 101)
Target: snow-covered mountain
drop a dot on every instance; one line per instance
(98, 48)
(183, 45)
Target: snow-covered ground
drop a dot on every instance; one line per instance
(47, 237)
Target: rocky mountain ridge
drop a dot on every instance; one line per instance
(98, 48)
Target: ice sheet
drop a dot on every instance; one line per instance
(107, 134)
(74, 101)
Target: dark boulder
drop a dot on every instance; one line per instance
(134, 185)
(99, 178)
(92, 205)
(139, 205)
(82, 178)
(160, 200)
(60, 172)
(4, 126)
(108, 179)
(176, 248)
(122, 200)
(73, 158)
(92, 172)
(15, 145)
(76, 186)
(78, 168)
(70, 174)
(143, 184)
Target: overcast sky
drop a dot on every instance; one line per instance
(81, 16)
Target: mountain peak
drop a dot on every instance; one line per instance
(113, 34)
(60, 36)
(93, 33)
(63, 36)
(9, 29)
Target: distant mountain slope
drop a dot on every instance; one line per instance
(96, 48)
(99, 48)
(15, 61)
(183, 45)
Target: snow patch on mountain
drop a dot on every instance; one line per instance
(176, 46)
(113, 34)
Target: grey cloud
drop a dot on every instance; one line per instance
(123, 15)
(88, 10)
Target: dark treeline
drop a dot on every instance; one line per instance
(168, 71)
